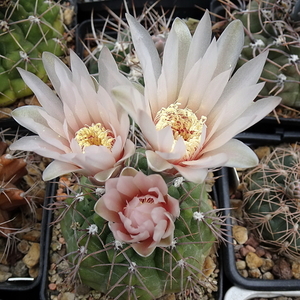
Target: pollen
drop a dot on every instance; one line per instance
(96, 135)
(184, 123)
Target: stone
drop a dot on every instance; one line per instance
(254, 273)
(208, 266)
(252, 241)
(282, 269)
(32, 236)
(240, 234)
(268, 276)
(260, 251)
(244, 273)
(23, 246)
(244, 251)
(240, 265)
(4, 276)
(67, 296)
(20, 269)
(267, 265)
(253, 261)
(32, 258)
(34, 272)
(296, 269)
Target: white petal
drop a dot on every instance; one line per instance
(131, 100)
(37, 145)
(45, 95)
(156, 163)
(109, 74)
(230, 45)
(147, 54)
(248, 73)
(174, 57)
(56, 70)
(200, 42)
(239, 155)
(80, 72)
(58, 168)
(191, 174)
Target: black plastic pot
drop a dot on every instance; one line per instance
(223, 184)
(223, 283)
(184, 8)
(26, 288)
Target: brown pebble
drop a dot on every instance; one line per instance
(282, 269)
(52, 286)
(244, 251)
(252, 241)
(253, 261)
(260, 251)
(250, 248)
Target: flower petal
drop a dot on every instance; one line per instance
(58, 168)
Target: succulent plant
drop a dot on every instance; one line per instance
(272, 200)
(271, 25)
(27, 28)
(115, 269)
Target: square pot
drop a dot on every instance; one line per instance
(225, 183)
(20, 285)
(184, 8)
(44, 288)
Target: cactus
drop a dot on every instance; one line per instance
(272, 25)
(115, 269)
(272, 200)
(27, 28)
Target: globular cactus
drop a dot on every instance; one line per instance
(272, 200)
(27, 28)
(116, 269)
(272, 25)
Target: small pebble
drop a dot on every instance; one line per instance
(241, 265)
(31, 259)
(253, 261)
(240, 234)
(254, 273)
(296, 269)
(268, 276)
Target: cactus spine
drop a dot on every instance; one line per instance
(27, 28)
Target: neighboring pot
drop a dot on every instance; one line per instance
(242, 294)
(24, 286)
(227, 182)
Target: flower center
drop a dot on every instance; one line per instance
(184, 123)
(146, 199)
(96, 135)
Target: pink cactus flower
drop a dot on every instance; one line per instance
(139, 210)
(192, 106)
(83, 129)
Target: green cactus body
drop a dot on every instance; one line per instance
(116, 269)
(27, 28)
(271, 200)
(269, 25)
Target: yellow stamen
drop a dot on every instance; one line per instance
(96, 135)
(184, 123)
